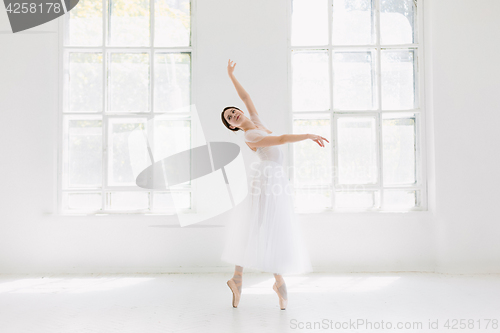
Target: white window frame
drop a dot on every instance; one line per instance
(63, 52)
(420, 115)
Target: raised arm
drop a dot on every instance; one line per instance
(245, 97)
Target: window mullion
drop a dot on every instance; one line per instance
(379, 103)
(291, 150)
(104, 20)
(152, 23)
(330, 67)
(104, 129)
(105, 121)
(150, 131)
(104, 159)
(61, 84)
(421, 138)
(152, 58)
(335, 162)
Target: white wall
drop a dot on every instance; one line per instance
(466, 105)
(458, 234)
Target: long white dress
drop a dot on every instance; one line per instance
(265, 234)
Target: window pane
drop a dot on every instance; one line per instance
(312, 163)
(310, 200)
(85, 82)
(397, 21)
(357, 150)
(398, 80)
(82, 201)
(85, 24)
(171, 137)
(353, 80)
(129, 22)
(83, 152)
(120, 168)
(354, 199)
(309, 22)
(399, 150)
(352, 22)
(399, 199)
(128, 200)
(129, 82)
(172, 23)
(311, 83)
(172, 81)
(163, 201)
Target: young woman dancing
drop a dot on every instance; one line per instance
(269, 237)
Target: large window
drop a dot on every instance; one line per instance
(125, 62)
(356, 80)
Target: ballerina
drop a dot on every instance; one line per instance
(269, 238)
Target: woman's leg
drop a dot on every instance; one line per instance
(238, 276)
(280, 283)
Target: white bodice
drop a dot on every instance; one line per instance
(271, 153)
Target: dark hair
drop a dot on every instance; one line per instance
(224, 121)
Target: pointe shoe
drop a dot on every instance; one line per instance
(283, 302)
(236, 294)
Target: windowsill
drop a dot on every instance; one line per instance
(329, 212)
(312, 212)
(114, 214)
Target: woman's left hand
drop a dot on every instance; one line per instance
(318, 139)
(230, 69)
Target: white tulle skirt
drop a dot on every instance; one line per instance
(263, 232)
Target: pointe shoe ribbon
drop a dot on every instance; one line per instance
(283, 302)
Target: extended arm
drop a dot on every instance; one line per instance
(289, 138)
(286, 138)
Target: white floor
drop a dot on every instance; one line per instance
(202, 303)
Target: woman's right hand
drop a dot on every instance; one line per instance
(318, 139)
(230, 69)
